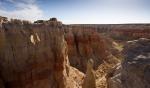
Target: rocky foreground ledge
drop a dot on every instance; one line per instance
(134, 71)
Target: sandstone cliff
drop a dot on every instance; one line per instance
(35, 56)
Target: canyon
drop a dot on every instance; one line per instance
(50, 54)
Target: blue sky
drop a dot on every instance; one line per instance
(79, 11)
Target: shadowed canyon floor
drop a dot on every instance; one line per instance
(49, 54)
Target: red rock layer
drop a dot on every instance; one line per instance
(85, 43)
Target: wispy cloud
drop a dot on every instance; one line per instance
(23, 9)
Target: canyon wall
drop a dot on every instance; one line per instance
(48, 54)
(85, 43)
(121, 31)
(35, 56)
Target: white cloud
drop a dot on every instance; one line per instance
(24, 9)
(22, 1)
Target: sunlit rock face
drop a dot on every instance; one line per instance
(35, 56)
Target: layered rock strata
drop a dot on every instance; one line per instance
(35, 56)
(84, 43)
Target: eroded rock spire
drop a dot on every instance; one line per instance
(90, 80)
